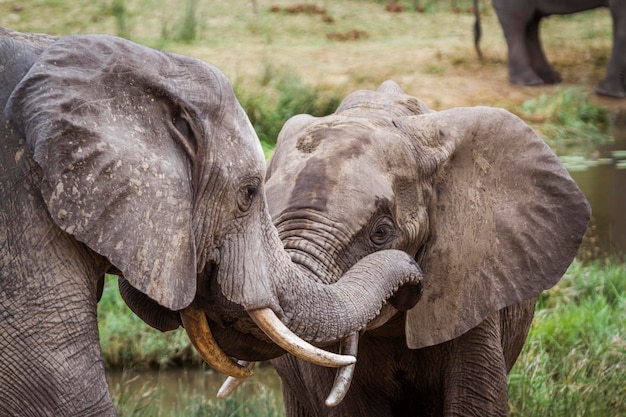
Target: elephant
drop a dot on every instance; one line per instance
(118, 158)
(474, 195)
(528, 65)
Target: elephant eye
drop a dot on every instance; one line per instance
(383, 231)
(246, 196)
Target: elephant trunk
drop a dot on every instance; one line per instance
(305, 310)
(326, 313)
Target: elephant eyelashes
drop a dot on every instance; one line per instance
(383, 231)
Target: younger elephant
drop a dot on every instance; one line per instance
(478, 199)
(115, 157)
(528, 64)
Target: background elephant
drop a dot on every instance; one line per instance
(480, 201)
(528, 64)
(120, 158)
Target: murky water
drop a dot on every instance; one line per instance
(173, 390)
(603, 180)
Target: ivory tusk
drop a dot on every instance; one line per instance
(232, 383)
(199, 333)
(267, 321)
(349, 345)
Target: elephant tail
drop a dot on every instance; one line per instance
(477, 30)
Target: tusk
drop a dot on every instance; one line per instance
(267, 321)
(349, 346)
(232, 383)
(199, 333)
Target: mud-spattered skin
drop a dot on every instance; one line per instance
(120, 158)
(474, 195)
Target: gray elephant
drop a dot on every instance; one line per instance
(528, 64)
(118, 158)
(481, 202)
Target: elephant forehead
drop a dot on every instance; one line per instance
(328, 183)
(243, 146)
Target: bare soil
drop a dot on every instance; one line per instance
(343, 45)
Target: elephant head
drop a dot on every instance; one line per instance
(120, 158)
(481, 202)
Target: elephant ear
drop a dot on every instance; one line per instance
(506, 219)
(94, 110)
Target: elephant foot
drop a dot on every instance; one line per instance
(527, 78)
(551, 77)
(609, 89)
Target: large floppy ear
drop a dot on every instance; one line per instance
(107, 122)
(506, 219)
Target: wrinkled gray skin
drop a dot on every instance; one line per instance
(119, 158)
(528, 64)
(486, 208)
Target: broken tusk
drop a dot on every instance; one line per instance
(267, 321)
(349, 346)
(199, 333)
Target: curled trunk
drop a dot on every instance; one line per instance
(326, 313)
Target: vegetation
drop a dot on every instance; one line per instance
(569, 121)
(284, 95)
(573, 363)
(127, 342)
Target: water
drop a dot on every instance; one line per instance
(603, 181)
(173, 390)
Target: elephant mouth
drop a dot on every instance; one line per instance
(199, 332)
(255, 334)
(389, 316)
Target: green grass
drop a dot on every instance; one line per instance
(127, 342)
(250, 400)
(569, 121)
(574, 361)
(283, 95)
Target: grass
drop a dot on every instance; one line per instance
(127, 342)
(574, 361)
(569, 121)
(252, 399)
(284, 95)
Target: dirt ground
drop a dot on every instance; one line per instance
(345, 45)
(431, 55)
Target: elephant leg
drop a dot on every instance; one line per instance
(614, 83)
(514, 26)
(299, 398)
(293, 406)
(475, 377)
(538, 60)
(515, 323)
(50, 357)
(306, 386)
